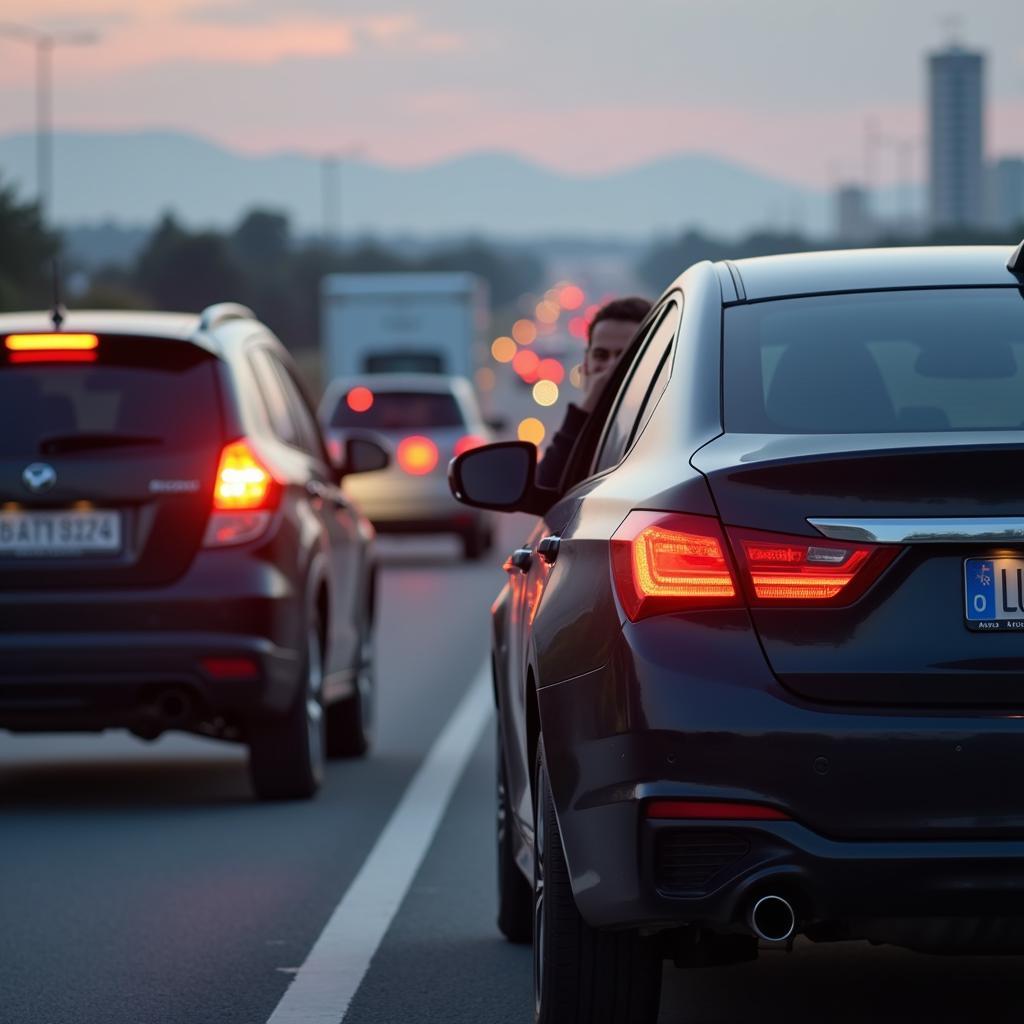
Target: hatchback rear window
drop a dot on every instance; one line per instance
(138, 393)
(873, 362)
(396, 410)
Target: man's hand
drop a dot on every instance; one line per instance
(594, 383)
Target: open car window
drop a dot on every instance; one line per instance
(580, 463)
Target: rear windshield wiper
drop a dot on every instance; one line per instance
(88, 442)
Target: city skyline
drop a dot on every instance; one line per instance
(790, 96)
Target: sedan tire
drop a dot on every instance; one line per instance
(515, 894)
(582, 975)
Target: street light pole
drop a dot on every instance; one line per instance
(44, 43)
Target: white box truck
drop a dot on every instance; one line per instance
(402, 323)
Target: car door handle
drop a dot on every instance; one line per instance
(548, 548)
(521, 559)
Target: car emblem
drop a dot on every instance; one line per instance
(40, 476)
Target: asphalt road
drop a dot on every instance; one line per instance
(141, 884)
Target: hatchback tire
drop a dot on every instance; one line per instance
(286, 754)
(582, 975)
(515, 894)
(350, 721)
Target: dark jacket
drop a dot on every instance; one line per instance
(556, 455)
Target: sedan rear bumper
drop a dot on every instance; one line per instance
(895, 816)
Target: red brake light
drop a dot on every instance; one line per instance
(243, 482)
(780, 567)
(468, 443)
(56, 342)
(359, 399)
(417, 455)
(666, 561)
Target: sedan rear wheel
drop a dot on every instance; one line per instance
(582, 975)
(286, 754)
(515, 902)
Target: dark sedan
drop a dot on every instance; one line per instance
(760, 667)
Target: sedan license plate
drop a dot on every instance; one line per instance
(59, 534)
(994, 594)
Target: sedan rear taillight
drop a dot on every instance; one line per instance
(781, 568)
(668, 561)
(673, 562)
(245, 493)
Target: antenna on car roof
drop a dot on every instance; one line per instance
(58, 312)
(1016, 262)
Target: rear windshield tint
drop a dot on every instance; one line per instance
(873, 362)
(139, 393)
(396, 410)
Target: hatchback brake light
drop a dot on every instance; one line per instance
(55, 342)
(243, 482)
(668, 561)
(806, 570)
(245, 494)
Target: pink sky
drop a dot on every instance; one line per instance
(787, 89)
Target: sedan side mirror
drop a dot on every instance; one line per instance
(501, 477)
(363, 455)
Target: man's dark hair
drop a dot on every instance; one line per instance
(632, 310)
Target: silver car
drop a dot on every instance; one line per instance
(426, 420)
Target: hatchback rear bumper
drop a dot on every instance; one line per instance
(224, 641)
(69, 681)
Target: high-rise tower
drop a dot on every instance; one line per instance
(956, 138)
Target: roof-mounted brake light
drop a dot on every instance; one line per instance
(55, 342)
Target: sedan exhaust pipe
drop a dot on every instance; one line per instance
(772, 919)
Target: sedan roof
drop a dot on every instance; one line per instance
(856, 270)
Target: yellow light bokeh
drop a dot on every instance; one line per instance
(524, 331)
(503, 350)
(548, 312)
(485, 379)
(531, 429)
(576, 376)
(545, 392)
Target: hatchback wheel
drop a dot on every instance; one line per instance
(286, 754)
(515, 899)
(582, 975)
(350, 721)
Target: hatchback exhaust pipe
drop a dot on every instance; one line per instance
(772, 919)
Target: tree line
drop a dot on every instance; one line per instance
(258, 262)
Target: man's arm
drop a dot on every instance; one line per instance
(556, 455)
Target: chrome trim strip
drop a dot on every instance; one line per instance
(922, 531)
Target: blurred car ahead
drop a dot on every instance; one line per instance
(760, 667)
(426, 420)
(175, 550)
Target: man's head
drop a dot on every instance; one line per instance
(610, 333)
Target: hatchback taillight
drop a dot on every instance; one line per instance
(668, 562)
(245, 493)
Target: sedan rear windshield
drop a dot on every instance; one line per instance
(876, 362)
(135, 394)
(396, 410)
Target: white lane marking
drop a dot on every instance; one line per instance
(328, 979)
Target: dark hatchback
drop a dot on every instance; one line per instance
(175, 551)
(760, 667)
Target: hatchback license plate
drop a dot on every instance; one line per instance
(59, 534)
(994, 594)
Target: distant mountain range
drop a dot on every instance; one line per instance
(132, 177)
